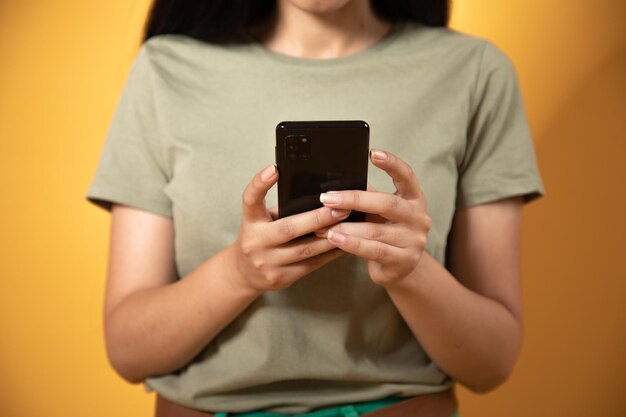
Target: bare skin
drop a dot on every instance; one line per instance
(321, 29)
(145, 304)
(469, 319)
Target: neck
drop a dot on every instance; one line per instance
(321, 35)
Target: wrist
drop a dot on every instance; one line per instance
(411, 280)
(235, 276)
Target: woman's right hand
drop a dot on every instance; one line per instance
(267, 255)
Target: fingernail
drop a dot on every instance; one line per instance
(336, 237)
(380, 155)
(337, 213)
(330, 198)
(268, 173)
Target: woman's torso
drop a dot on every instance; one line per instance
(333, 336)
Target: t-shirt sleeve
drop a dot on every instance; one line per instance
(499, 159)
(132, 169)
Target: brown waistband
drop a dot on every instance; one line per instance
(441, 404)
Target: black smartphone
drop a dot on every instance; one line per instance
(314, 157)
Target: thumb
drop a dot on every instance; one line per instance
(253, 198)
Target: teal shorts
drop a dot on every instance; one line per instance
(347, 410)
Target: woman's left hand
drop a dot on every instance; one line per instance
(395, 232)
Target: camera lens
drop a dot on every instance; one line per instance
(298, 147)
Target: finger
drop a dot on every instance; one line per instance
(288, 228)
(400, 172)
(300, 250)
(253, 198)
(390, 234)
(322, 232)
(390, 206)
(368, 249)
(299, 269)
(374, 218)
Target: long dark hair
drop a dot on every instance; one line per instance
(219, 20)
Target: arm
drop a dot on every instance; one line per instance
(468, 320)
(155, 323)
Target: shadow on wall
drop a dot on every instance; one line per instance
(575, 288)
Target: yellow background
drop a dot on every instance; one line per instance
(62, 65)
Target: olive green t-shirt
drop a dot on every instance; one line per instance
(196, 121)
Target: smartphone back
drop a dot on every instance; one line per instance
(314, 157)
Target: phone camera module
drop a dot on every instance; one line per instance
(298, 147)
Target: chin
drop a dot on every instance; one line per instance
(321, 6)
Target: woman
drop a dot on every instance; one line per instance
(222, 308)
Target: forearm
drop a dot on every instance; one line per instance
(158, 330)
(474, 339)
